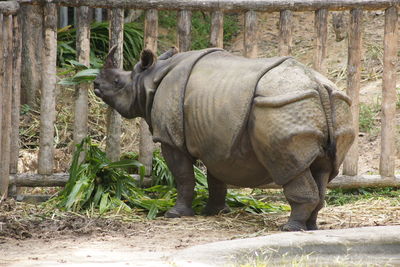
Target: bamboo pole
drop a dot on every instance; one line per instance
(146, 145)
(390, 59)
(6, 103)
(217, 29)
(350, 166)
(48, 99)
(321, 28)
(184, 25)
(285, 33)
(114, 120)
(16, 94)
(81, 90)
(250, 34)
(228, 5)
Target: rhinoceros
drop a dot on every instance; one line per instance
(250, 121)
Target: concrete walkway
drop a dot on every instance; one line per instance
(369, 246)
(349, 247)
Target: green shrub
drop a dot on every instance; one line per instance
(368, 117)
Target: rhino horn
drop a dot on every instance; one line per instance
(109, 64)
(147, 59)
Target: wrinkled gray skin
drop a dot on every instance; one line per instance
(278, 132)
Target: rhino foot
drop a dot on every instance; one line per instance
(292, 226)
(312, 226)
(177, 213)
(212, 210)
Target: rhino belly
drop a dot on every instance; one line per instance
(242, 170)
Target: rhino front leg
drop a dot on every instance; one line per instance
(217, 193)
(181, 167)
(303, 197)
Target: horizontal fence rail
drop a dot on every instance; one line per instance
(228, 5)
(342, 181)
(249, 9)
(9, 8)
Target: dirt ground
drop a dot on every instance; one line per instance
(30, 234)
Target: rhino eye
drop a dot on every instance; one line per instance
(116, 81)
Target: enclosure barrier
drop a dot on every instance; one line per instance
(9, 76)
(10, 65)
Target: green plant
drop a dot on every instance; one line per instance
(83, 73)
(97, 183)
(99, 43)
(339, 197)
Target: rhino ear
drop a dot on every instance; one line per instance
(147, 59)
(109, 64)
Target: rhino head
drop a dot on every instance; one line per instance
(125, 90)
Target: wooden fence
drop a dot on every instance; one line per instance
(10, 61)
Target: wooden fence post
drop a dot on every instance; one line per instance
(3, 180)
(285, 33)
(98, 14)
(321, 29)
(16, 94)
(184, 30)
(48, 98)
(32, 65)
(350, 165)
(250, 34)
(114, 120)
(81, 90)
(7, 72)
(63, 21)
(390, 59)
(146, 145)
(217, 29)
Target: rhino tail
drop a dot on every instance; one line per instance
(325, 93)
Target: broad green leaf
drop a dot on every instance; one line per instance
(104, 203)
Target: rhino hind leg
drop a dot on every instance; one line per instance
(303, 196)
(181, 168)
(216, 200)
(321, 170)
